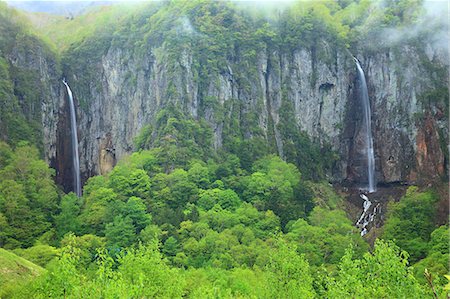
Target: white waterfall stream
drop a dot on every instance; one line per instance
(367, 126)
(75, 156)
(367, 216)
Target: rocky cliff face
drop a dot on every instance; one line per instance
(130, 88)
(263, 90)
(48, 103)
(30, 92)
(398, 81)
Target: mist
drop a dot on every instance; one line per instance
(430, 27)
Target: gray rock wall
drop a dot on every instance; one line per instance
(131, 88)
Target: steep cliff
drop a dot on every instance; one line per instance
(254, 86)
(30, 93)
(284, 84)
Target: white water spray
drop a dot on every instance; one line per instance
(367, 217)
(364, 94)
(75, 157)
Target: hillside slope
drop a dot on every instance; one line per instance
(14, 271)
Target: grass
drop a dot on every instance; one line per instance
(15, 271)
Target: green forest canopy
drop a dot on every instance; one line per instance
(259, 233)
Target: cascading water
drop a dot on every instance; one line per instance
(364, 95)
(367, 216)
(76, 160)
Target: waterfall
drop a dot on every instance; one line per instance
(366, 206)
(367, 216)
(75, 157)
(364, 95)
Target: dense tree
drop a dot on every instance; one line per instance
(410, 222)
(67, 220)
(129, 182)
(226, 233)
(327, 236)
(120, 233)
(199, 175)
(97, 210)
(381, 274)
(28, 196)
(276, 185)
(227, 199)
(288, 274)
(87, 247)
(437, 259)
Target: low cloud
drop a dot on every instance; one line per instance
(432, 27)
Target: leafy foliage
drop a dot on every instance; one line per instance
(383, 273)
(149, 230)
(28, 197)
(436, 260)
(411, 221)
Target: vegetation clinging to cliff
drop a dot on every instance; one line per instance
(22, 88)
(177, 219)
